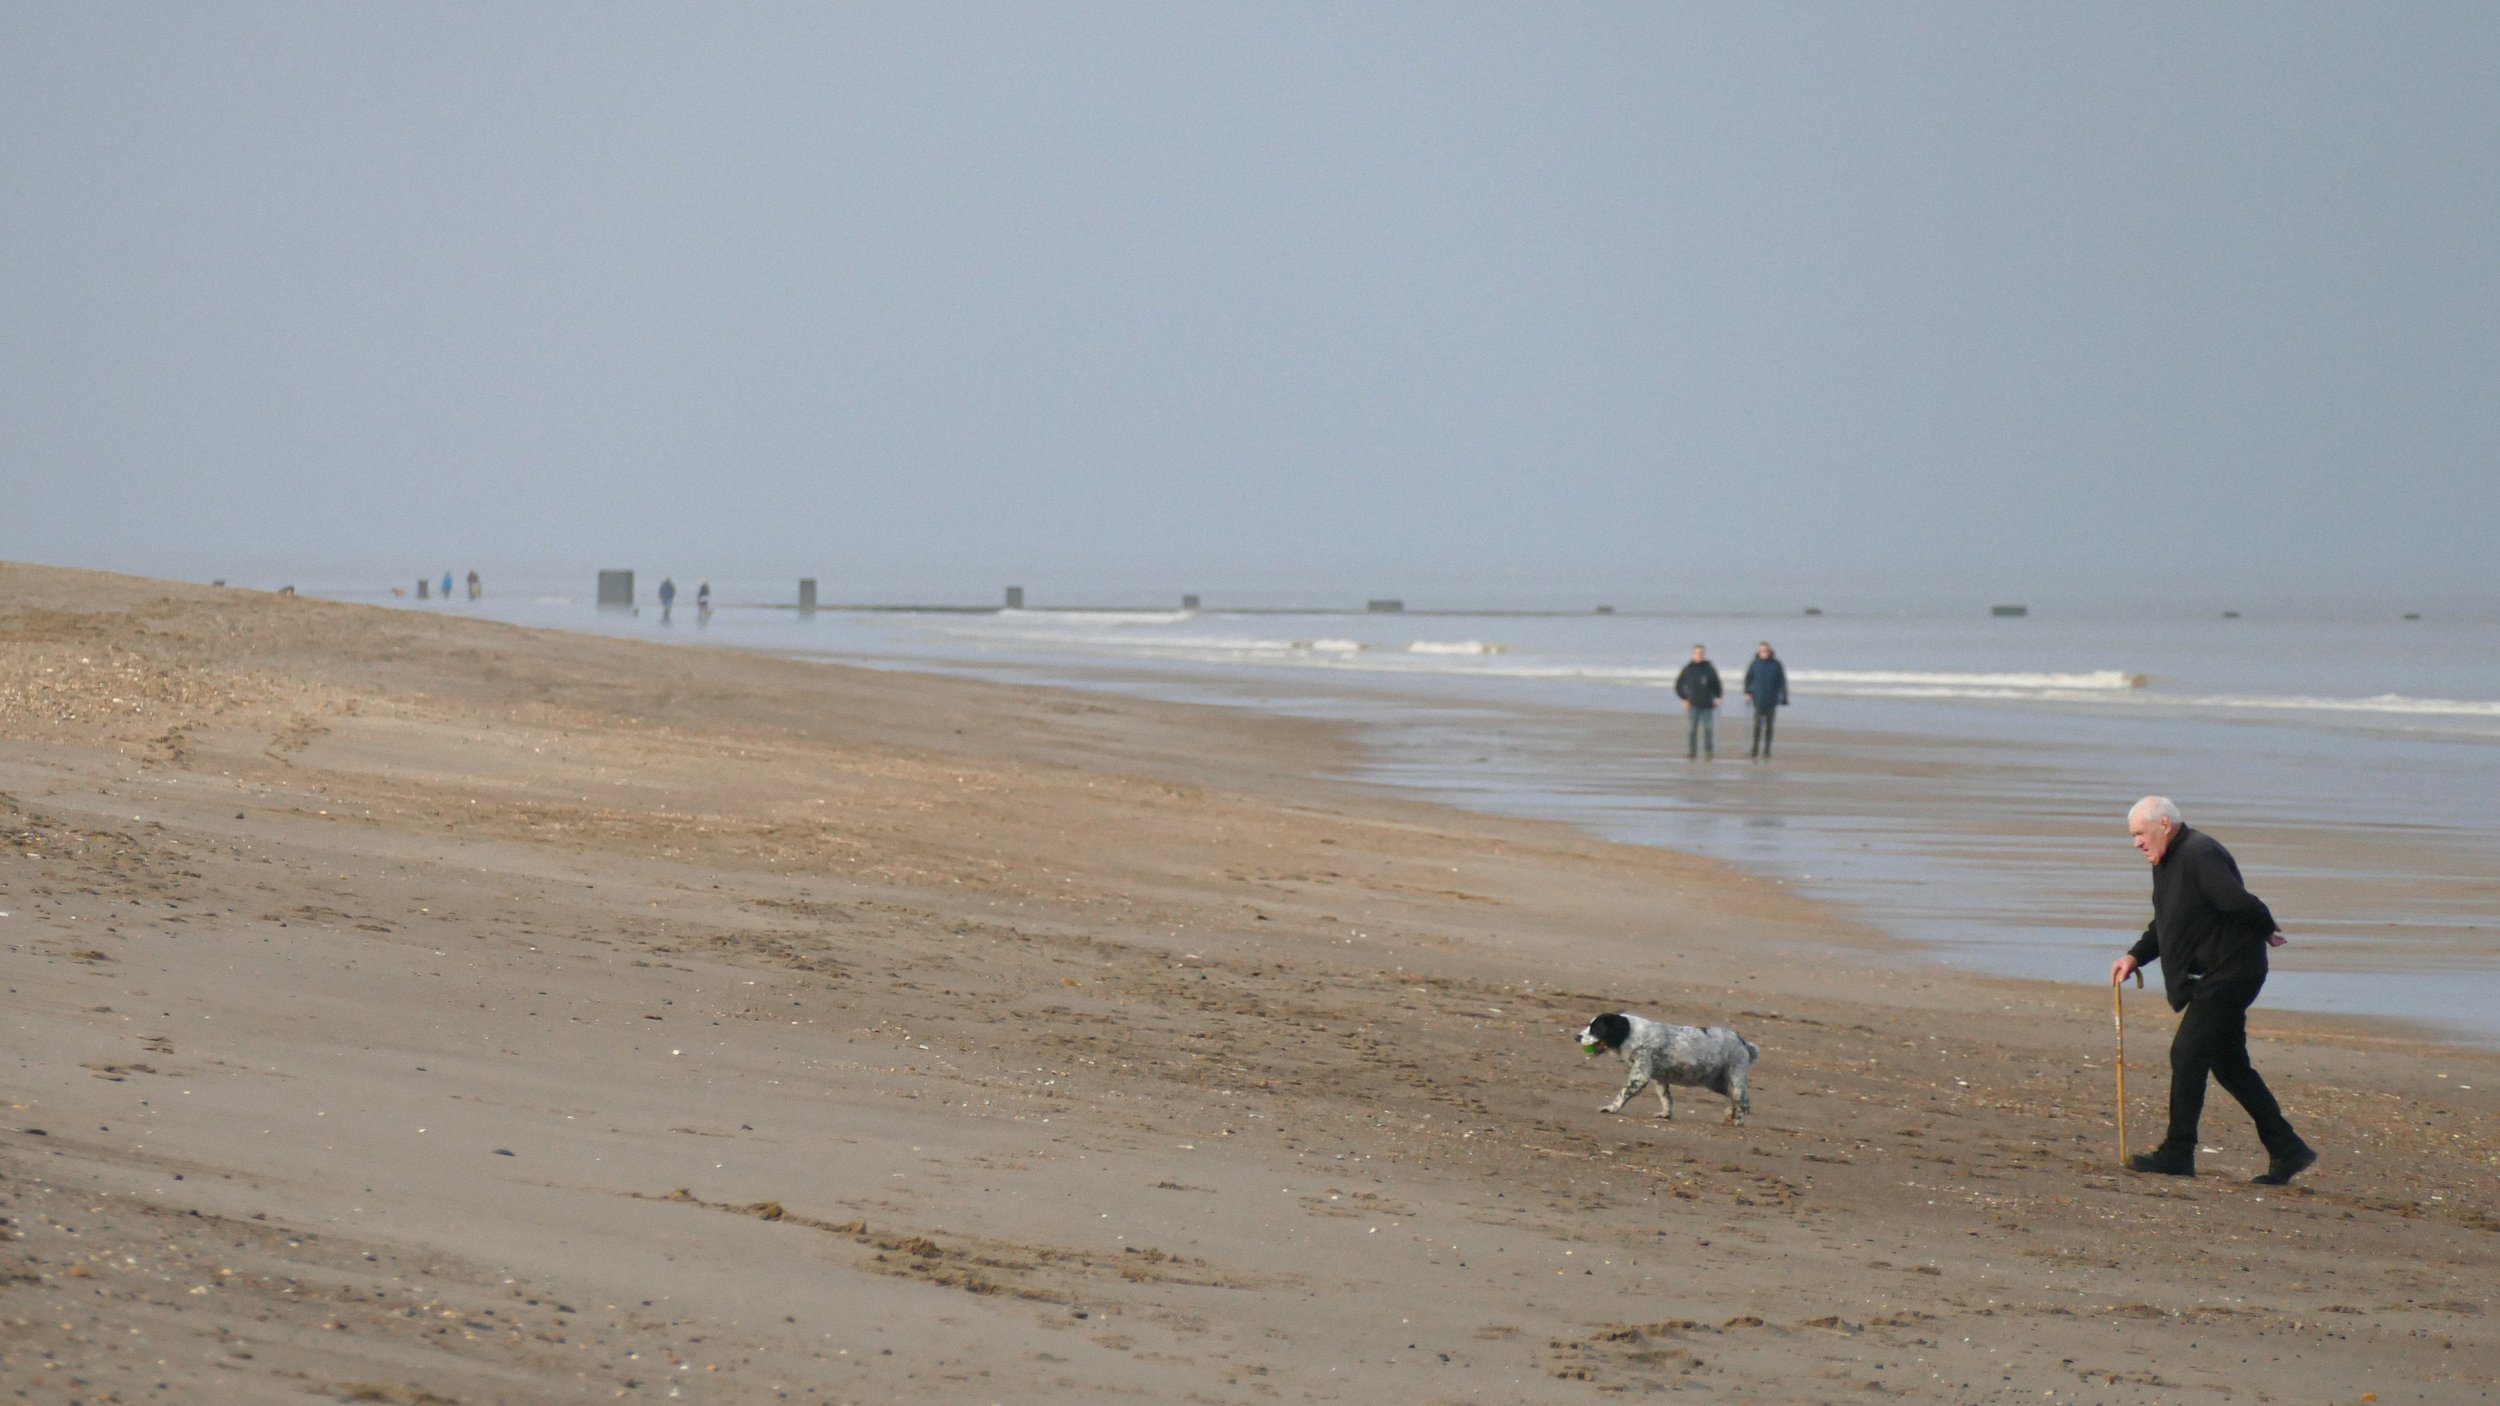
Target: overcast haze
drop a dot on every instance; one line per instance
(1720, 305)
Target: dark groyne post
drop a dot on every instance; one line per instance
(1386, 607)
(1189, 602)
(807, 595)
(1015, 598)
(616, 590)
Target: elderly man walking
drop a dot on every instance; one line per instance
(2210, 935)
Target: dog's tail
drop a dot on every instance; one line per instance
(1752, 1050)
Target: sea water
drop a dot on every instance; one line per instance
(1959, 779)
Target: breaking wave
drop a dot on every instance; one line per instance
(1904, 678)
(1098, 617)
(2382, 703)
(1099, 630)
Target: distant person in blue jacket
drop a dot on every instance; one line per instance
(1698, 685)
(1766, 686)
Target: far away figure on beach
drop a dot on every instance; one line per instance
(1766, 686)
(1700, 689)
(447, 585)
(477, 587)
(668, 598)
(703, 603)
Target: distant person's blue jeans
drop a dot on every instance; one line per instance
(1701, 731)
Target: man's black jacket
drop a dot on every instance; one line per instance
(1766, 682)
(2206, 925)
(1699, 684)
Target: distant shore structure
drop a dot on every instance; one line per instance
(616, 591)
(2009, 612)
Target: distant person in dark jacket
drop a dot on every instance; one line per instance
(2210, 935)
(1700, 689)
(1766, 686)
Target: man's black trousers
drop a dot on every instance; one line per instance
(1762, 729)
(2213, 1039)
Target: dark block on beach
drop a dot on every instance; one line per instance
(616, 590)
(1386, 607)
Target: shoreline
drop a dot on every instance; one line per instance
(539, 1017)
(1858, 774)
(2392, 913)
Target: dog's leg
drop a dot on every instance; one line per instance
(1632, 1086)
(1666, 1100)
(1739, 1102)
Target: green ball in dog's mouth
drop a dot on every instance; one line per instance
(1590, 1047)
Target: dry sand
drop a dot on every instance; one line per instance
(407, 1009)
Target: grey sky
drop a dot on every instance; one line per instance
(1725, 304)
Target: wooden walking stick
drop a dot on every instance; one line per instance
(2118, 1019)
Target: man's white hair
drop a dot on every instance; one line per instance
(2152, 806)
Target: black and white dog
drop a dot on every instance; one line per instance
(1712, 1057)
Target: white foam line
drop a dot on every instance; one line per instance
(1473, 658)
(2382, 703)
(2098, 678)
(1100, 617)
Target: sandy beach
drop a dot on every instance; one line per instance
(417, 1010)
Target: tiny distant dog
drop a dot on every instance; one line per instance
(1713, 1057)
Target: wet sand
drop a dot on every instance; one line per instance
(410, 1009)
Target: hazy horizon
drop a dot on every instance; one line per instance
(1656, 306)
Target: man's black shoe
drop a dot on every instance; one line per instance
(2280, 1170)
(2164, 1162)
